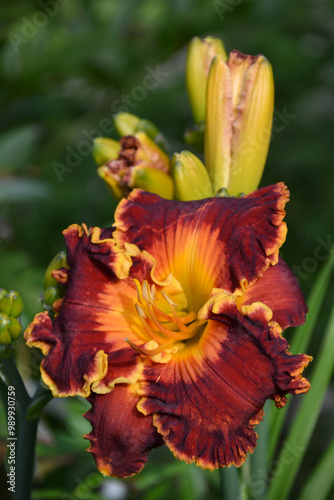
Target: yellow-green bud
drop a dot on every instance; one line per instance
(3, 292)
(11, 304)
(148, 127)
(200, 55)
(191, 178)
(57, 262)
(154, 181)
(153, 133)
(126, 123)
(10, 329)
(14, 328)
(105, 149)
(52, 293)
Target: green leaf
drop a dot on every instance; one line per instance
(36, 407)
(52, 493)
(23, 189)
(321, 481)
(303, 425)
(17, 146)
(300, 340)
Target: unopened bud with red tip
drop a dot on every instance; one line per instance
(200, 55)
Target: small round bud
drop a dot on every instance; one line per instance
(51, 294)
(10, 329)
(14, 328)
(11, 304)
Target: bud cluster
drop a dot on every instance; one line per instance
(232, 101)
(11, 307)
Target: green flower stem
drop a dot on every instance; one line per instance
(25, 457)
(16, 381)
(25, 433)
(229, 483)
(245, 479)
(259, 459)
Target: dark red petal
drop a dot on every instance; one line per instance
(207, 400)
(95, 316)
(64, 372)
(278, 288)
(121, 436)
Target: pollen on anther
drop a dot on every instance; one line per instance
(140, 311)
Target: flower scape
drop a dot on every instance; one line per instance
(171, 322)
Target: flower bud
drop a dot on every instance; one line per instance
(52, 293)
(58, 261)
(240, 104)
(11, 304)
(10, 329)
(126, 123)
(153, 133)
(14, 328)
(5, 338)
(191, 178)
(153, 181)
(105, 149)
(200, 55)
(148, 127)
(138, 152)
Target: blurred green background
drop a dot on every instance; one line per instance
(66, 66)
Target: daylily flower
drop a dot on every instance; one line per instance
(171, 327)
(140, 164)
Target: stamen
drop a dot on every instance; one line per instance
(165, 329)
(152, 352)
(140, 311)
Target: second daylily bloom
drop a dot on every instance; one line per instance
(239, 112)
(171, 326)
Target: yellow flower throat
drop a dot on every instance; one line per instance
(165, 329)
